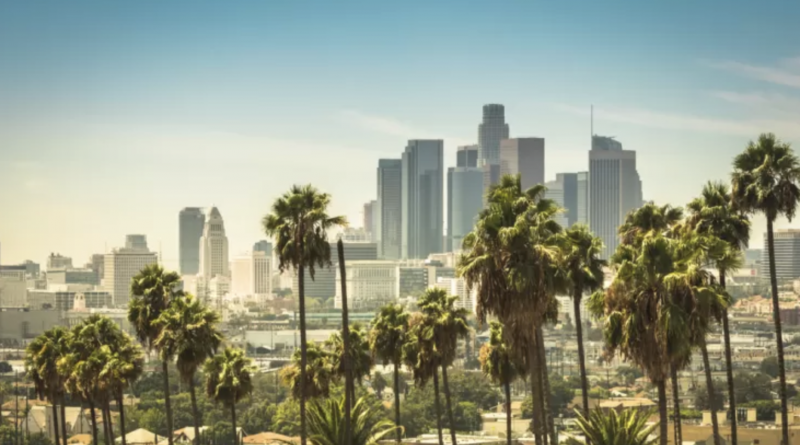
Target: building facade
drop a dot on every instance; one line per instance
(323, 284)
(388, 221)
(213, 246)
(523, 157)
(191, 221)
(421, 191)
(370, 209)
(251, 274)
(465, 201)
(370, 284)
(492, 129)
(58, 261)
(582, 198)
(787, 255)
(120, 266)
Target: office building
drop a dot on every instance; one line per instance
(555, 193)
(62, 298)
(422, 196)
(614, 189)
(582, 198)
(213, 246)
(13, 289)
(567, 188)
(58, 261)
(524, 157)
(323, 285)
(138, 242)
(787, 255)
(491, 131)
(465, 201)
(370, 285)
(96, 264)
(191, 222)
(251, 274)
(72, 276)
(388, 221)
(120, 266)
(458, 287)
(370, 210)
(263, 246)
(466, 157)
(353, 235)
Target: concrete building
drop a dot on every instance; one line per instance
(19, 325)
(465, 201)
(120, 266)
(422, 196)
(614, 189)
(136, 241)
(58, 261)
(492, 129)
(787, 255)
(370, 211)
(96, 264)
(251, 274)
(72, 276)
(81, 311)
(370, 284)
(582, 198)
(388, 221)
(567, 186)
(213, 246)
(524, 157)
(467, 156)
(263, 246)
(62, 298)
(324, 283)
(13, 289)
(191, 221)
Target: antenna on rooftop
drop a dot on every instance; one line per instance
(591, 121)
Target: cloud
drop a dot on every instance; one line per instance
(787, 73)
(393, 127)
(779, 103)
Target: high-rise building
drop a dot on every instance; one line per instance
(566, 186)
(191, 221)
(323, 285)
(422, 196)
(370, 284)
(370, 208)
(58, 261)
(582, 198)
(787, 255)
(96, 263)
(213, 246)
(466, 156)
(120, 266)
(524, 157)
(465, 201)
(491, 131)
(555, 193)
(614, 189)
(263, 246)
(138, 242)
(251, 274)
(388, 221)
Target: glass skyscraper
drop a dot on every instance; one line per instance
(388, 215)
(421, 192)
(190, 227)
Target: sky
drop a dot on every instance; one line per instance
(115, 115)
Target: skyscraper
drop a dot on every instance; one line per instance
(190, 228)
(465, 201)
(251, 274)
(567, 185)
(422, 196)
(263, 246)
(136, 242)
(491, 131)
(614, 189)
(388, 221)
(582, 198)
(466, 156)
(213, 246)
(121, 265)
(787, 255)
(369, 211)
(555, 193)
(524, 157)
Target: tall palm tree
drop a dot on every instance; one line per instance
(765, 180)
(189, 332)
(41, 363)
(318, 375)
(421, 357)
(389, 333)
(326, 426)
(299, 223)
(497, 363)
(152, 290)
(360, 357)
(228, 380)
(584, 272)
(123, 367)
(712, 214)
(511, 258)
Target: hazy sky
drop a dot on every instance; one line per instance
(115, 115)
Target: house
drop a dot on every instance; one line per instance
(269, 439)
(140, 437)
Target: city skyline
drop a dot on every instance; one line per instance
(88, 121)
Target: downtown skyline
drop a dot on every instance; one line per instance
(80, 135)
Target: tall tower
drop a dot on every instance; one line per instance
(213, 246)
(614, 189)
(422, 196)
(190, 228)
(524, 157)
(491, 131)
(388, 217)
(464, 196)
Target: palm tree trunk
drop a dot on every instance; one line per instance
(195, 413)
(110, 421)
(122, 432)
(676, 403)
(535, 392)
(16, 407)
(94, 421)
(508, 412)
(450, 418)
(397, 400)
(64, 437)
(168, 405)
(726, 332)
(662, 412)
(104, 413)
(27, 415)
(233, 419)
(55, 424)
(776, 316)
(547, 400)
(576, 302)
(349, 396)
(302, 302)
(711, 392)
(437, 406)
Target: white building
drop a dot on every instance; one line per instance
(13, 289)
(251, 274)
(213, 246)
(218, 287)
(370, 284)
(456, 286)
(567, 307)
(120, 266)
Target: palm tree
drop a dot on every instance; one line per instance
(299, 223)
(123, 367)
(497, 364)
(360, 357)
(152, 290)
(628, 427)
(765, 180)
(420, 355)
(229, 379)
(713, 215)
(41, 363)
(584, 272)
(318, 375)
(189, 332)
(387, 337)
(511, 258)
(326, 423)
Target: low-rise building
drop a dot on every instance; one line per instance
(370, 284)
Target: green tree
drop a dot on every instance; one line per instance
(629, 374)
(152, 290)
(498, 365)
(769, 366)
(388, 334)
(188, 331)
(299, 223)
(584, 271)
(628, 427)
(561, 392)
(42, 357)
(378, 383)
(703, 402)
(5, 367)
(259, 417)
(287, 415)
(326, 423)
(228, 380)
(123, 366)
(420, 355)
(765, 178)
(751, 387)
(765, 409)
(360, 356)
(319, 373)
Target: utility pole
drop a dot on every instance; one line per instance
(16, 407)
